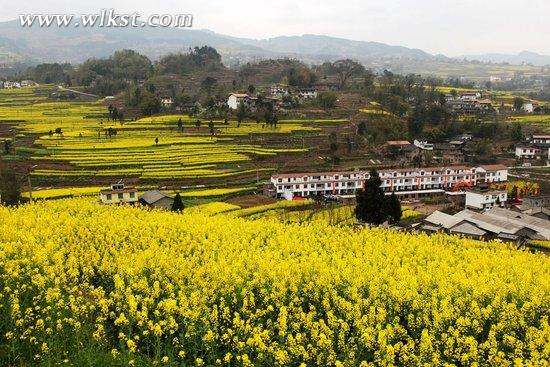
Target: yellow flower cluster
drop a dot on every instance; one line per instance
(84, 284)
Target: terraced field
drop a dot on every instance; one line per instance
(74, 140)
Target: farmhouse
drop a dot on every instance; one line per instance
(407, 183)
(235, 100)
(118, 194)
(482, 200)
(167, 102)
(157, 199)
(307, 93)
(279, 90)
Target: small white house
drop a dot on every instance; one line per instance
(470, 96)
(11, 85)
(235, 100)
(308, 93)
(540, 139)
(424, 145)
(119, 194)
(167, 102)
(528, 152)
(485, 200)
(528, 107)
(279, 90)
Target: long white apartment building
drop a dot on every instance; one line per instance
(408, 183)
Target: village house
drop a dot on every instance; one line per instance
(11, 85)
(482, 200)
(235, 100)
(28, 83)
(307, 93)
(157, 199)
(167, 102)
(407, 183)
(495, 223)
(537, 147)
(279, 90)
(118, 194)
(423, 145)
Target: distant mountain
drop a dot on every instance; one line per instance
(525, 57)
(78, 44)
(331, 47)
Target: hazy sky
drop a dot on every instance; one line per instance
(451, 27)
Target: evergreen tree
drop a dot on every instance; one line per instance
(10, 193)
(394, 212)
(370, 201)
(178, 206)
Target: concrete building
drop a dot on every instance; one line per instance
(407, 183)
(480, 200)
(235, 100)
(118, 194)
(307, 93)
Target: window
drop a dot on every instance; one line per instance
(109, 197)
(132, 195)
(120, 196)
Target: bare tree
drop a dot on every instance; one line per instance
(346, 69)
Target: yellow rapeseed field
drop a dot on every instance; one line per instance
(89, 285)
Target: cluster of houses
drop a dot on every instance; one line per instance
(454, 151)
(468, 103)
(275, 95)
(406, 183)
(536, 147)
(12, 84)
(473, 103)
(494, 223)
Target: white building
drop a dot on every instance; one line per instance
(279, 90)
(485, 200)
(470, 96)
(118, 194)
(540, 139)
(531, 152)
(308, 93)
(528, 107)
(235, 100)
(424, 145)
(406, 182)
(11, 85)
(167, 101)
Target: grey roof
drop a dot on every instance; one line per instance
(444, 220)
(151, 197)
(490, 223)
(468, 229)
(541, 226)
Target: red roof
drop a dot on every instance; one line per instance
(493, 167)
(397, 142)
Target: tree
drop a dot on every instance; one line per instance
(10, 192)
(327, 99)
(370, 201)
(516, 134)
(180, 124)
(7, 146)
(393, 208)
(178, 206)
(518, 103)
(198, 124)
(345, 69)
(241, 113)
(156, 140)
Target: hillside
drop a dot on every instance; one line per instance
(145, 288)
